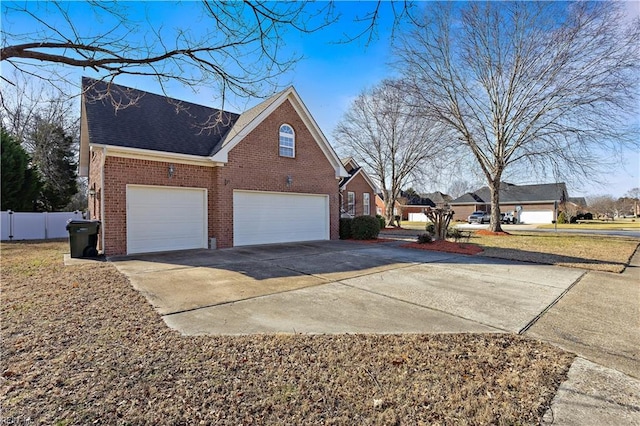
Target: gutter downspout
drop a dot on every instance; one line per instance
(102, 161)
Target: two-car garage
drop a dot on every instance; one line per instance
(278, 217)
(163, 218)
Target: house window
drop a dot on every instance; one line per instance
(351, 203)
(287, 141)
(366, 204)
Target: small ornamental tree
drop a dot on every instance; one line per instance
(440, 218)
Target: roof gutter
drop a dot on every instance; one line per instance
(128, 152)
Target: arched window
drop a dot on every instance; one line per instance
(287, 141)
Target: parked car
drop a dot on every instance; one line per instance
(508, 217)
(479, 217)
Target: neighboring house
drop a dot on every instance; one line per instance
(172, 175)
(530, 203)
(357, 191)
(379, 204)
(413, 209)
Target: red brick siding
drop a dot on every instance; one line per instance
(255, 164)
(358, 185)
(119, 172)
(462, 212)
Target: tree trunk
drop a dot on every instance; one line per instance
(495, 206)
(389, 216)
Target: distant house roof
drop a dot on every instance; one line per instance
(354, 169)
(431, 199)
(153, 122)
(509, 193)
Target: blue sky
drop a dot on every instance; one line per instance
(329, 76)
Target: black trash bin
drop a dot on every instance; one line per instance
(83, 237)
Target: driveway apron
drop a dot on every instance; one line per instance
(343, 287)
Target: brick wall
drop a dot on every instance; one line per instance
(254, 164)
(122, 171)
(358, 185)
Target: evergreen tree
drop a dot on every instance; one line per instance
(20, 181)
(53, 153)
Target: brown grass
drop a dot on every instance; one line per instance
(446, 246)
(599, 253)
(80, 346)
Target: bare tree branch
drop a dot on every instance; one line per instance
(541, 86)
(381, 132)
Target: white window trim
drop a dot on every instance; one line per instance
(351, 203)
(366, 204)
(292, 136)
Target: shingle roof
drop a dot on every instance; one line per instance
(510, 193)
(437, 197)
(154, 122)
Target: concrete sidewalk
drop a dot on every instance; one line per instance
(599, 319)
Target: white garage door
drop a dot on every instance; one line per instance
(275, 217)
(163, 218)
(540, 216)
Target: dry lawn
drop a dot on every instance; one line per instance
(80, 346)
(595, 252)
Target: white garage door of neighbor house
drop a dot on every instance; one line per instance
(275, 217)
(540, 216)
(163, 218)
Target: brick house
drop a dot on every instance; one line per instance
(357, 191)
(530, 203)
(415, 205)
(171, 175)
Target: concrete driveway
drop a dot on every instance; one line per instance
(343, 287)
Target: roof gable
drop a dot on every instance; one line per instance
(249, 120)
(509, 193)
(159, 124)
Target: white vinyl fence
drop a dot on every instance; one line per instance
(35, 226)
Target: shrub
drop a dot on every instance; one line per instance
(345, 228)
(425, 238)
(455, 234)
(562, 218)
(383, 221)
(365, 228)
(431, 229)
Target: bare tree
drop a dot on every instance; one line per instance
(634, 195)
(28, 102)
(604, 206)
(381, 132)
(549, 87)
(236, 46)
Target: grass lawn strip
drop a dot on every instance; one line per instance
(80, 346)
(594, 252)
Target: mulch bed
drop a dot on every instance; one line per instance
(446, 246)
